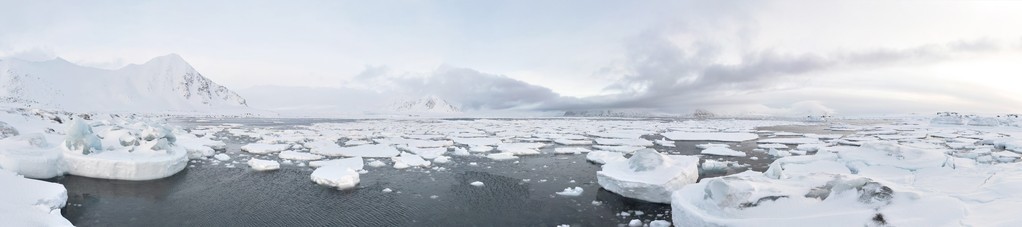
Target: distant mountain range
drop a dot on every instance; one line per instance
(163, 84)
(427, 104)
(617, 113)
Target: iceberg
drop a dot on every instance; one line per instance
(649, 175)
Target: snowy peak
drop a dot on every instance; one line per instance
(162, 84)
(428, 104)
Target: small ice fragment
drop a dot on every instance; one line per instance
(635, 223)
(222, 157)
(387, 190)
(576, 191)
(477, 184)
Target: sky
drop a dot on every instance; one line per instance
(755, 57)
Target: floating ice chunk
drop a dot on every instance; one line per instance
(477, 184)
(751, 199)
(338, 176)
(649, 175)
(369, 151)
(625, 142)
(773, 145)
(573, 142)
(501, 156)
(622, 149)
(793, 141)
(480, 149)
(810, 147)
(124, 165)
(32, 156)
(27, 202)
(355, 163)
(263, 165)
(427, 153)
(473, 142)
(778, 152)
(262, 148)
(409, 160)
(665, 143)
(571, 150)
(299, 156)
(458, 151)
(520, 148)
(222, 157)
(635, 223)
(441, 159)
(387, 190)
(377, 163)
(659, 223)
(711, 136)
(602, 157)
(576, 191)
(720, 149)
(710, 165)
(81, 139)
(621, 134)
(199, 147)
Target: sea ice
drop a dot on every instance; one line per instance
(262, 148)
(710, 136)
(368, 151)
(31, 155)
(299, 156)
(409, 160)
(602, 157)
(338, 176)
(355, 163)
(649, 175)
(263, 165)
(575, 191)
(477, 184)
(571, 150)
(720, 149)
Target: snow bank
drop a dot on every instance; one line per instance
(649, 175)
(337, 176)
(32, 156)
(27, 202)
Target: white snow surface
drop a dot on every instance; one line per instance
(165, 83)
(28, 202)
(649, 175)
(710, 136)
(263, 165)
(338, 176)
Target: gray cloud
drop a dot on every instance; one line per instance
(661, 75)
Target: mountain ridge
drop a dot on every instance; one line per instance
(162, 84)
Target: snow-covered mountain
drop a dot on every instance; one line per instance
(627, 113)
(163, 84)
(428, 104)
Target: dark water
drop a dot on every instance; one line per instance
(517, 192)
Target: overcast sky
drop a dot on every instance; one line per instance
(784, 57)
